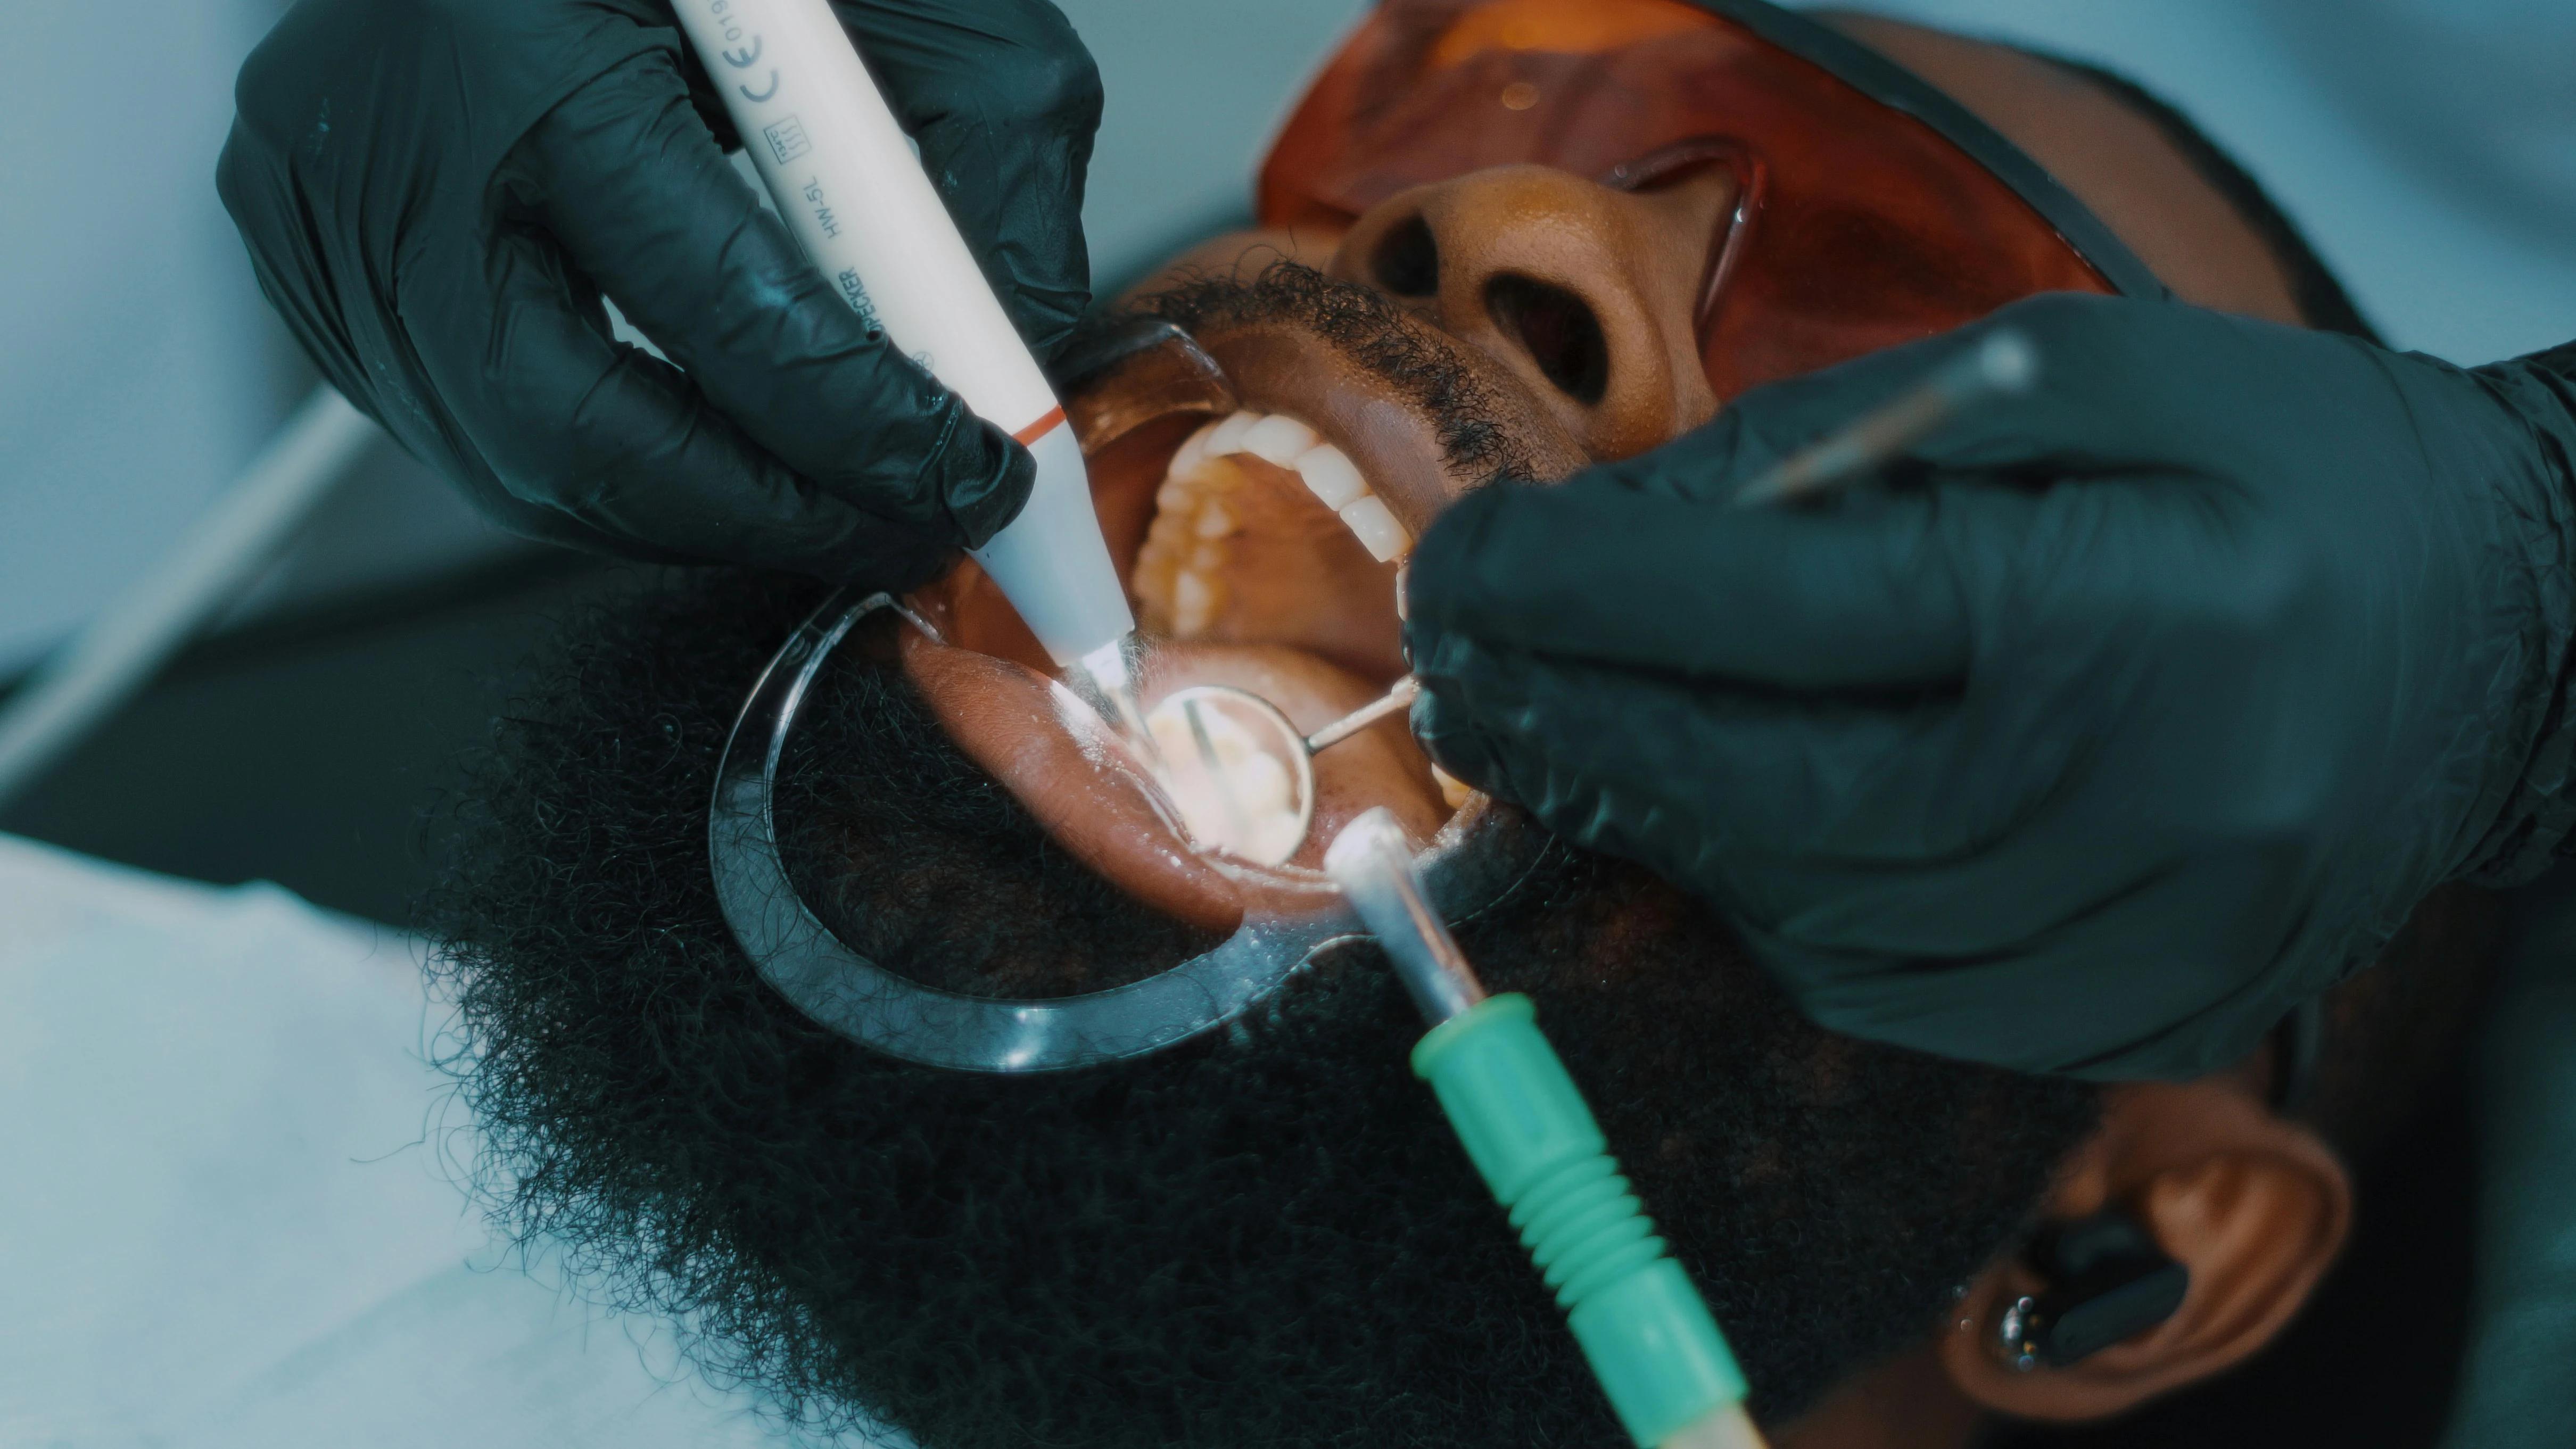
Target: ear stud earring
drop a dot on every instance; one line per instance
(2106, 1280)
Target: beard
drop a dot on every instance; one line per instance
(1265, 1235)
(1375, 335)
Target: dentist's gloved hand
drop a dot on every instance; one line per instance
(436, 193)
(2140, 708)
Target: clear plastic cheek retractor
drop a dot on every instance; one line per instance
(1642, 1324)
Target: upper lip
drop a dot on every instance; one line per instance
(1150, 369)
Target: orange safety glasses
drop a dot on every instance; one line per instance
(1872, 210)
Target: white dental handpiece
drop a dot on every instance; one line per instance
(846, 178)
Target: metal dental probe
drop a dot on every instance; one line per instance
(1641, 1323)
(1397, 699)
(2003, 364)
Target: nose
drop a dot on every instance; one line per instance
(1591, 295)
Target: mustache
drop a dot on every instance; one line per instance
(1423, 365)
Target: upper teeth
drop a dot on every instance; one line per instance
(1278, 439)
(1178, 573)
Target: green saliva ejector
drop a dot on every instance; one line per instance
(1640, 1321)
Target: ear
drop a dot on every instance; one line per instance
(2253, 1205)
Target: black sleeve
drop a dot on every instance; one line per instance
(2538, 823)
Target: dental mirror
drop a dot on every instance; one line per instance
(1240, 773)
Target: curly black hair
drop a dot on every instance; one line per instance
(1264, 1237)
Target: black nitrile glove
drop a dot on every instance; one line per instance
(436, 193)
(2141, 707)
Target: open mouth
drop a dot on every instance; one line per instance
(1260, 478)
(1297, 437)
(1262, 532)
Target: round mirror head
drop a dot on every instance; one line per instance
(1236, 771)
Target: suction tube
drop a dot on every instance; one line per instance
(1642, 1325)
(847, 181)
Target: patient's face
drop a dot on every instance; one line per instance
(1261, 481)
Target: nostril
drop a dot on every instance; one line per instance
(1557, 329)
(1407, 260)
